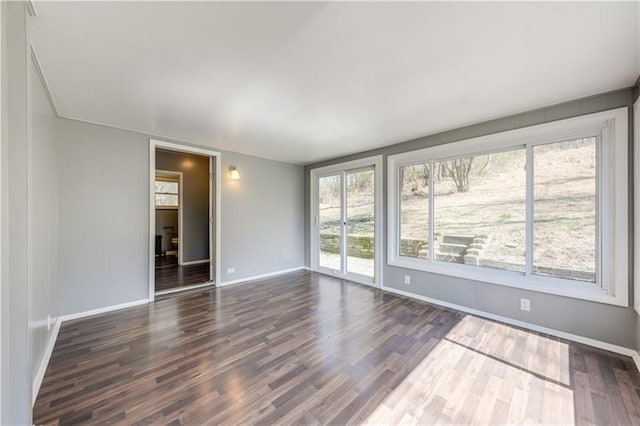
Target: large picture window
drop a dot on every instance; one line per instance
(541, 208)
(565, 209)
(414, 211)
(479, 210)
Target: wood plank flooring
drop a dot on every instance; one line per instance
(305, 348)
(169, 275)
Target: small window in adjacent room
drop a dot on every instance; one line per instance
(167, 194)
(542, 208)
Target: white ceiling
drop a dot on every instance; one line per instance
(301, 82)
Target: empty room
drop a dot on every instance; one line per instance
(319, 213)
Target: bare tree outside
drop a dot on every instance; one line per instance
(479, 210)
(461, 169)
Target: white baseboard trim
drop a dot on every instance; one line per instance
(185, 288)
(636, 359)
(550, 331)
(195, 262)
(70, 317)
(257, 277)
(44, 362)
(42, 368)
(353, 279)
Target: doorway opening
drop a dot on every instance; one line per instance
(184, 218)
(346, 212)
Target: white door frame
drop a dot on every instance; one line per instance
(171, 146)
(314, 242)
(636, 186)
(171, 173)
(3, 237)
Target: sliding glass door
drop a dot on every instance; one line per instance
(360, 222)
(345, 206)
(330, 218)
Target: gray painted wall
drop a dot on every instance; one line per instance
(43, 220)
(262, 216)
(195, 200)
(607, 323)
(103, 245)
(89, 191)
(167, 218)
(103, 176)
(16, 378)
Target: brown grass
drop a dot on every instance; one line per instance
(564, 235)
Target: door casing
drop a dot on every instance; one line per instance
(314, 240)
(213, 156)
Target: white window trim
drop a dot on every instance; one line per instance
(613, 217)
(177, 175)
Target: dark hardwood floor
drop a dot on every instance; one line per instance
(169, 275)
(311, 349)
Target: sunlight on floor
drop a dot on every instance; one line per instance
(485, 373)
(354, 264)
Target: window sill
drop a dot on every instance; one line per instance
(555, 286)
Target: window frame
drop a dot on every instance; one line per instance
(612, 238)
(430, 232)
(314, 241)
(164, 177)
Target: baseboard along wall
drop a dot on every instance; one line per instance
(635, 355)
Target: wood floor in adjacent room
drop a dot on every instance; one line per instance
(306, 348)
(169, 275)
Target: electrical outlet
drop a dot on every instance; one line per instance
(48, 322)
(231, 270)
(525, 305)
(407, 279)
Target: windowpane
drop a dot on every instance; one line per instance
(414, 211)
(360, 210)
(166, 200)
(166, 187)
(330, 220)
(480, 210)
(565, 209)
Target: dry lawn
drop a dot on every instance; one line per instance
(564, 208)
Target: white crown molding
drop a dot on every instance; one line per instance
(31, 8)
(36, 63)
(174, 139)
